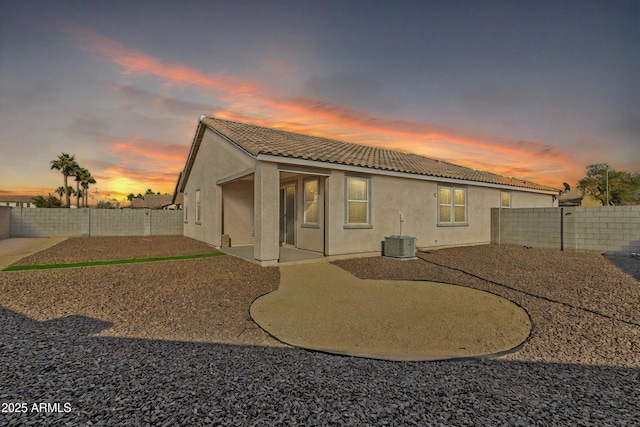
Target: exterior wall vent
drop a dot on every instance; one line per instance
(400, 246)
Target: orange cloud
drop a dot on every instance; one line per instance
(251, 102)
(134, 62)
(153, 150)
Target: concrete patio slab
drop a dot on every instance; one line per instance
(15, 248)
(287, 254)
(321, 307)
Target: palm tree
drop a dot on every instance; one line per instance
(60, 191)
(85, 180)
(65, 164)
(131, 196)
(77, 174)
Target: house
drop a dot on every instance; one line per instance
(575, 197)
(17, 201)
(271, 188)
(152, 201)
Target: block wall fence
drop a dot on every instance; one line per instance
(611, 229)
(94, 222)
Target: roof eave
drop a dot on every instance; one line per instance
(376, 171)
(195, 146)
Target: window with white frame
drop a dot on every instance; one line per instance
(452, 206)
(505, 200)
(358, 201)
(185, 206)
(311, 201)
(198, 205)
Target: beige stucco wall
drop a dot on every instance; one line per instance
(266, 220)
(237, 201)
(216, 159)
(521, 199)
(416, 200)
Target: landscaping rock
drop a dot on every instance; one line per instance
(171, 343)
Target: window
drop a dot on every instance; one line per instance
(505, 200)
(358, 201)
(311, 201)
(185, 206)
(198, 206)
(452, 206)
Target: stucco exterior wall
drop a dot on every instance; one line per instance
(266, 220)
(521, 199)
(216, 159)
(417, 201)
(237, 201)
(5, 222)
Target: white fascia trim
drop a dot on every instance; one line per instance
(372, 171)
(235, 176)
(305, 171)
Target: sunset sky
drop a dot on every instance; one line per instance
(531, 89)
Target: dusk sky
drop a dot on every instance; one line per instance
(532, 89)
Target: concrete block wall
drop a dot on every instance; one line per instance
(5, 222)
(166, 223)
(33, 222)
(118, 222)
(94, 222)
(536, 227)
(611, 229)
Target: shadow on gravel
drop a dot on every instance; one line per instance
(114, 381)
(78, 325)
(630, 265)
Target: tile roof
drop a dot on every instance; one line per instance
(152, 201)
(261, 140)
(19, 199)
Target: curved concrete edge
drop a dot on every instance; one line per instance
(14, 249)
(274, 304)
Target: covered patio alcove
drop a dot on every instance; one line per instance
(274, 213)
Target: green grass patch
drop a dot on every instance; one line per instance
(110, 262)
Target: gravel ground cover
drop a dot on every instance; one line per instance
(584, 309)
(71, 336)
(77, 249)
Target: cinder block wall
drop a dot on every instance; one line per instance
(166, 223)
(536, 227)
(5, 222)
(611, 229)
(94, 222)
(33, 222)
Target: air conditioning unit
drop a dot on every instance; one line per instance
(400, 246)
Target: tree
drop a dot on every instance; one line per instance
(622, 186)
(65, 163)
(131, 196)
(149, 191)
(77, 174)
(60, 191)
(85, 179)
(50, 201)
(106, 204)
